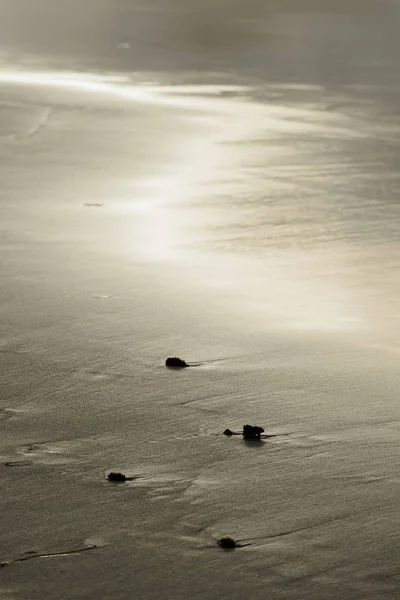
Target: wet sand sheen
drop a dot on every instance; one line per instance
(88, 325)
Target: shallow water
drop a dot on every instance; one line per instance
(253, 229)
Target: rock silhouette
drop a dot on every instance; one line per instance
(227, 543)
(252, 432)
(228, 432)
(118, 477)
(176, 363)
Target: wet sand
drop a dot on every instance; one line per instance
(251, 229)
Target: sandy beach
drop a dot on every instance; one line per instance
(195, 201)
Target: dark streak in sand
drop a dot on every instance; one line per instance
(18, 463)
(33, 555)
(325, 523)
(35, 447)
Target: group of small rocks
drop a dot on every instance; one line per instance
(250, 432)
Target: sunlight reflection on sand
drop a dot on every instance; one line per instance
(123, 88)
(301, 298)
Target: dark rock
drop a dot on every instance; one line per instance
(228, 432)
(252, 432)
(176, 362)
(119, 477)
(227, 543)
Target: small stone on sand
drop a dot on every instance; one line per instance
(227, 543)
(252, 432)
(176, 362)
(119, 477)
